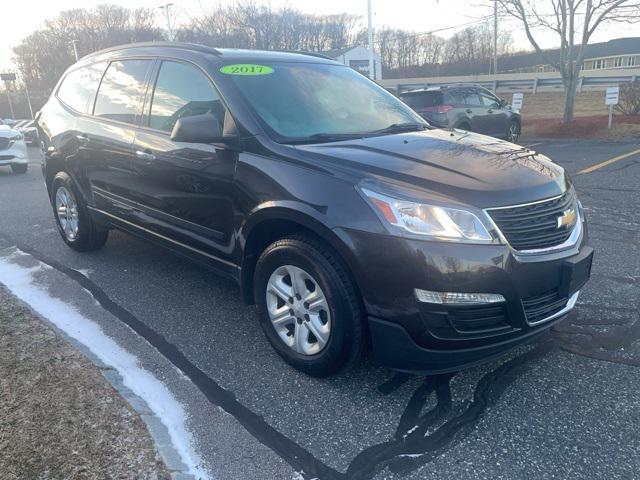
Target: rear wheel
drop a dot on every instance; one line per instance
(309, 308)
(75, 225)
(19, 167)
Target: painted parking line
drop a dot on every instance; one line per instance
(608, 162)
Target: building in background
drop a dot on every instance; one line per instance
(357, 58)
(618, 53)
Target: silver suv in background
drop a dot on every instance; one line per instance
(13, 150)
(470, 108)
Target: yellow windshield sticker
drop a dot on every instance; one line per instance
(246, 69)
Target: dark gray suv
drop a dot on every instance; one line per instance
(470, 108)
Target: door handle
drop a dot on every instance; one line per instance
(146, 156)
(83, 139)
(468, 110)
(490, 111)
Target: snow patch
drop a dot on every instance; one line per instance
(20, 281)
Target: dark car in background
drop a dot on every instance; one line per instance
(338, 210)
(470, 108)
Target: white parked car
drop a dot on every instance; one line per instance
(13, 150)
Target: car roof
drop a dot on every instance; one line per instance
(226, 54)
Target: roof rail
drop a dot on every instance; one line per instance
(310, 54)
(183, 45)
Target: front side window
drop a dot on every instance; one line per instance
(182, 91)
(121, 91)
(79, 86)
(297, 101)
(489, 100)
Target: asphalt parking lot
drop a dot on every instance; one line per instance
(567, 406)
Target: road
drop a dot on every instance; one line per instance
(565, 407)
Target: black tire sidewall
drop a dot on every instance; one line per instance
(85, 224)
(302, 255)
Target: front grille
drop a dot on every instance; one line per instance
(479, 319)
(544, 305)
(535, 226)
(4, 143)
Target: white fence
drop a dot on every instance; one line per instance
(595, 80)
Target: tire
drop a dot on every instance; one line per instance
(343, 313)
(19, 167)
(87, 236)
(513, 133)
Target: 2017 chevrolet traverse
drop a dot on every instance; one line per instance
(338, 210)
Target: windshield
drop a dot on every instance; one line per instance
(303, 100)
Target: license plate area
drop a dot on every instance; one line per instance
(576, 271)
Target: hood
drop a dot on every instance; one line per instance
(7, 132)
(470, 168)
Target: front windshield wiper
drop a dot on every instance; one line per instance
(401, 127)
(323, 137)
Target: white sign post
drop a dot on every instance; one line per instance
(611, 99)
(516, 101)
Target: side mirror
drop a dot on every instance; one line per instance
(205, 128)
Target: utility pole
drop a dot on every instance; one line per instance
(372, 67)
(165, 9)
(8, 79)
(26, 90)
(495, 37)
(74, 42)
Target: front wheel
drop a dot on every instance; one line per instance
(309, 308)
(513, 134)
(77, 228)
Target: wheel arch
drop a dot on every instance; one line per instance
(269, 223)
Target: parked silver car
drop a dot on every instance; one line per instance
(13, 150)
(470, 108)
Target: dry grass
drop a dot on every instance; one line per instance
(59, 418)
(542, 117)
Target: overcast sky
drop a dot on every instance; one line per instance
(21, 17)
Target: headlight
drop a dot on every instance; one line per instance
(440, 223)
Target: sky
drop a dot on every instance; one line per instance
(20, 17)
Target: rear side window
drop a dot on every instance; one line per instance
(79, 86)
(423, 99)
(454, 97)
(121, 91)
(182, 91)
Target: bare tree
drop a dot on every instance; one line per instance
(574, 22)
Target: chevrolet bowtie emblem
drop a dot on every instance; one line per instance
(567, 219)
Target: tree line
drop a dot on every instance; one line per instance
(43, 56)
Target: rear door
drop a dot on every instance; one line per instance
(473, 109)
(107, 136)
(185, 190)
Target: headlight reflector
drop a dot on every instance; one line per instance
(429, 220)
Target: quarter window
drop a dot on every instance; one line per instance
(121, 91)
(80, 85)
(182, 91)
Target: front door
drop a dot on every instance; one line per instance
(495, 118)
(185, 189)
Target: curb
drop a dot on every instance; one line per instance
(158, 431)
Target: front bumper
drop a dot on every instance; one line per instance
(15, 154)
(432, 338)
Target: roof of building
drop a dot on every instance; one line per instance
(619, 46)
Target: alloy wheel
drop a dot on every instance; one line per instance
(67, 212)
(298, 310)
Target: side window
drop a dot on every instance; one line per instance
(182, 91)
(489, 100)
(121, 91)
(454, 97)
(80, 85)
(471, 98)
